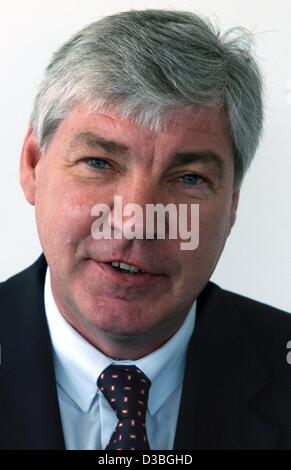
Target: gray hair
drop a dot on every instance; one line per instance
(145, 64)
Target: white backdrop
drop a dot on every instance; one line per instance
(257, 259)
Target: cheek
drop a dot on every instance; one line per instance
(63, 215)
(213, 231)
(196, 266)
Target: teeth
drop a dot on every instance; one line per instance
(115, 263)
(126, 267)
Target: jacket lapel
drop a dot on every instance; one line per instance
(29, 411)
(223, 380)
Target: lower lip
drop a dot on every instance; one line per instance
(127, 279)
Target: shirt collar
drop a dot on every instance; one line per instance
(78, 364)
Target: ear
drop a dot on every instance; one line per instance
(30, 156)
(233, 210)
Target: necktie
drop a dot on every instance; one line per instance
(126, 389)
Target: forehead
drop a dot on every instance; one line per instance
(191, 126)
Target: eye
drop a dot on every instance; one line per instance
(192, 180)
(97, 163)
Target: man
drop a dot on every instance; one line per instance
(122, 342)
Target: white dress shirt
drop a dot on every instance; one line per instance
(88, 421)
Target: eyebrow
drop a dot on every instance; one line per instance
(94, 141)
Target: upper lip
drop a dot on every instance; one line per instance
(138, 264)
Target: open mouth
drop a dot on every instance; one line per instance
(126, 268)
(122, 274)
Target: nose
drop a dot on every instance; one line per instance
(130, 213)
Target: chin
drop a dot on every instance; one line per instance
(124, 324)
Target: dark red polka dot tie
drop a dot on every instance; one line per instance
(126, 389)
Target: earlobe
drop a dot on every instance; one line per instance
(30, 156)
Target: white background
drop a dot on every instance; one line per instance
(257, 259)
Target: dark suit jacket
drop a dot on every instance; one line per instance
(237, 386)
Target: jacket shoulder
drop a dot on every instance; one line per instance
(252, 310)
(22, 314)
(268, 328)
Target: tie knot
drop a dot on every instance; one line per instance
(126, 389)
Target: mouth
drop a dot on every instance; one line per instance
(126, 274)
(126, 268)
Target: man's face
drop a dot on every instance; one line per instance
(79, 170)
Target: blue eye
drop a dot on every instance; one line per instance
(97, 163)
(192, 180)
